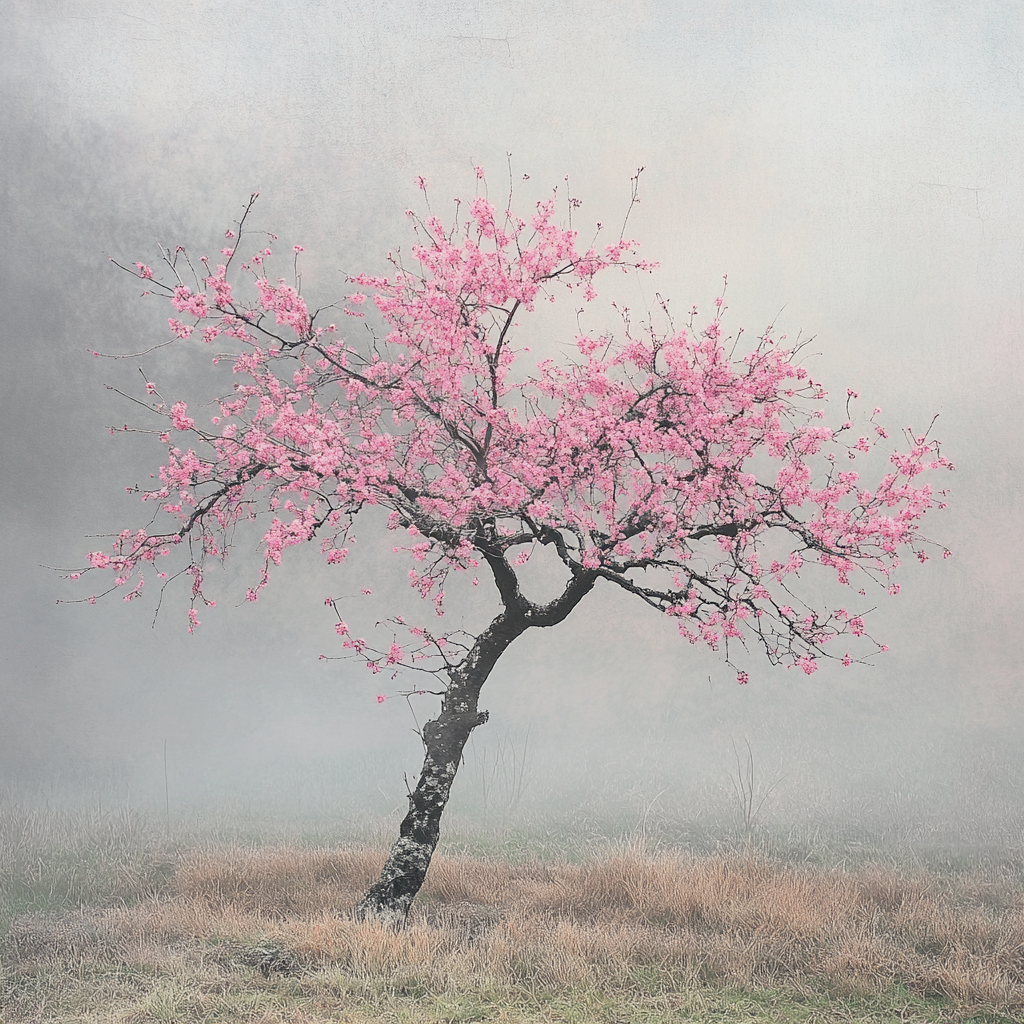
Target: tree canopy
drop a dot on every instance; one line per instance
(697, 476)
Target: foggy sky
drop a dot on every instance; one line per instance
(855, 169)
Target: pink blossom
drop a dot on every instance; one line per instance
(178, 328)
(179, 419)
(707, 471)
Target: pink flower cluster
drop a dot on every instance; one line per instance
(698, 482)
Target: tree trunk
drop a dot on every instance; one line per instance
(444, 738)
(391, 896)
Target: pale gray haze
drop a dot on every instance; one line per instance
(857, 169)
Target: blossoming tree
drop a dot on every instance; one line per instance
(700, 482)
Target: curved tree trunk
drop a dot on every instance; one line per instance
(390, 897)
(444, 738)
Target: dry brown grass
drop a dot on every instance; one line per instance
(238, 924)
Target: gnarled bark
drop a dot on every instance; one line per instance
(391, 896)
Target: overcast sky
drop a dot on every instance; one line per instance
(855, 168)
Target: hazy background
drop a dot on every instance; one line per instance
(855, 168)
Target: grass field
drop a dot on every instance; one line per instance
(106, 920)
